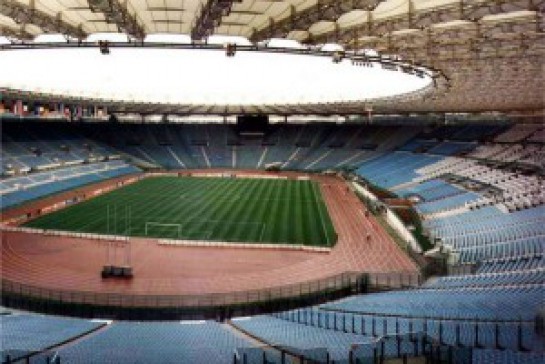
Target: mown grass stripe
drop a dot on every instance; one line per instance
(246, 210)
(300, 221)
(313, 230)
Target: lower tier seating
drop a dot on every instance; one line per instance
(17, 190)
(157, 342)
(22, 334)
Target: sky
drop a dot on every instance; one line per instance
(204, 77)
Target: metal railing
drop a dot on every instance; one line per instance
(216, 305)
(389, 348)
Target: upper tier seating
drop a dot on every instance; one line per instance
(522, 263)
(451, 148)
(431, 190)
(509, 190)
(34, 146)
(483, 220)
(489, 233)
(493, 303)
(307, 146)
(491, 279)
(418, 145)
(505, 357)
(538, 136)
(395, 168)
(503, 250)
(447, 203)
(518, 133)
(39, 159)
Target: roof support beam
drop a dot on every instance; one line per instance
(324, 10)
(464, 10)
(426, 49)
(117, 13)
(28, 14)
(210, 16)
(20, 33)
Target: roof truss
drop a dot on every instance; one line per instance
(210, 16)
(117, 13)
(324, 10)
(28, 14)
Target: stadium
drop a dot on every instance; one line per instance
(272, 181)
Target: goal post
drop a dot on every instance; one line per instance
(203, 229)
(150, 225)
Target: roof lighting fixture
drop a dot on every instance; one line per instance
(104, 47)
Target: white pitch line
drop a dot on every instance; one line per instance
(262, 231)
(320, 213)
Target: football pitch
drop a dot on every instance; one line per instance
(193, 208)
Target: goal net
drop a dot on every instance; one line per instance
(159, 229)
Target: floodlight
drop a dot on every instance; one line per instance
(104, 47)
(230, 49)
(338, 56)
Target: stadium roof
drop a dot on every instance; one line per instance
(491, 50)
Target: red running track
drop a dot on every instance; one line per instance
(73, 264)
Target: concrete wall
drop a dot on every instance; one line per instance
(392, 219)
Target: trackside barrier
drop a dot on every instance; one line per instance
(219, 174)
(61, 233)
(27, 230)
(218, 306)
(167, 242)
(219, 244)
(392, 219)
(85, 235)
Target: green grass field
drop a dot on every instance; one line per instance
(222, 209)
